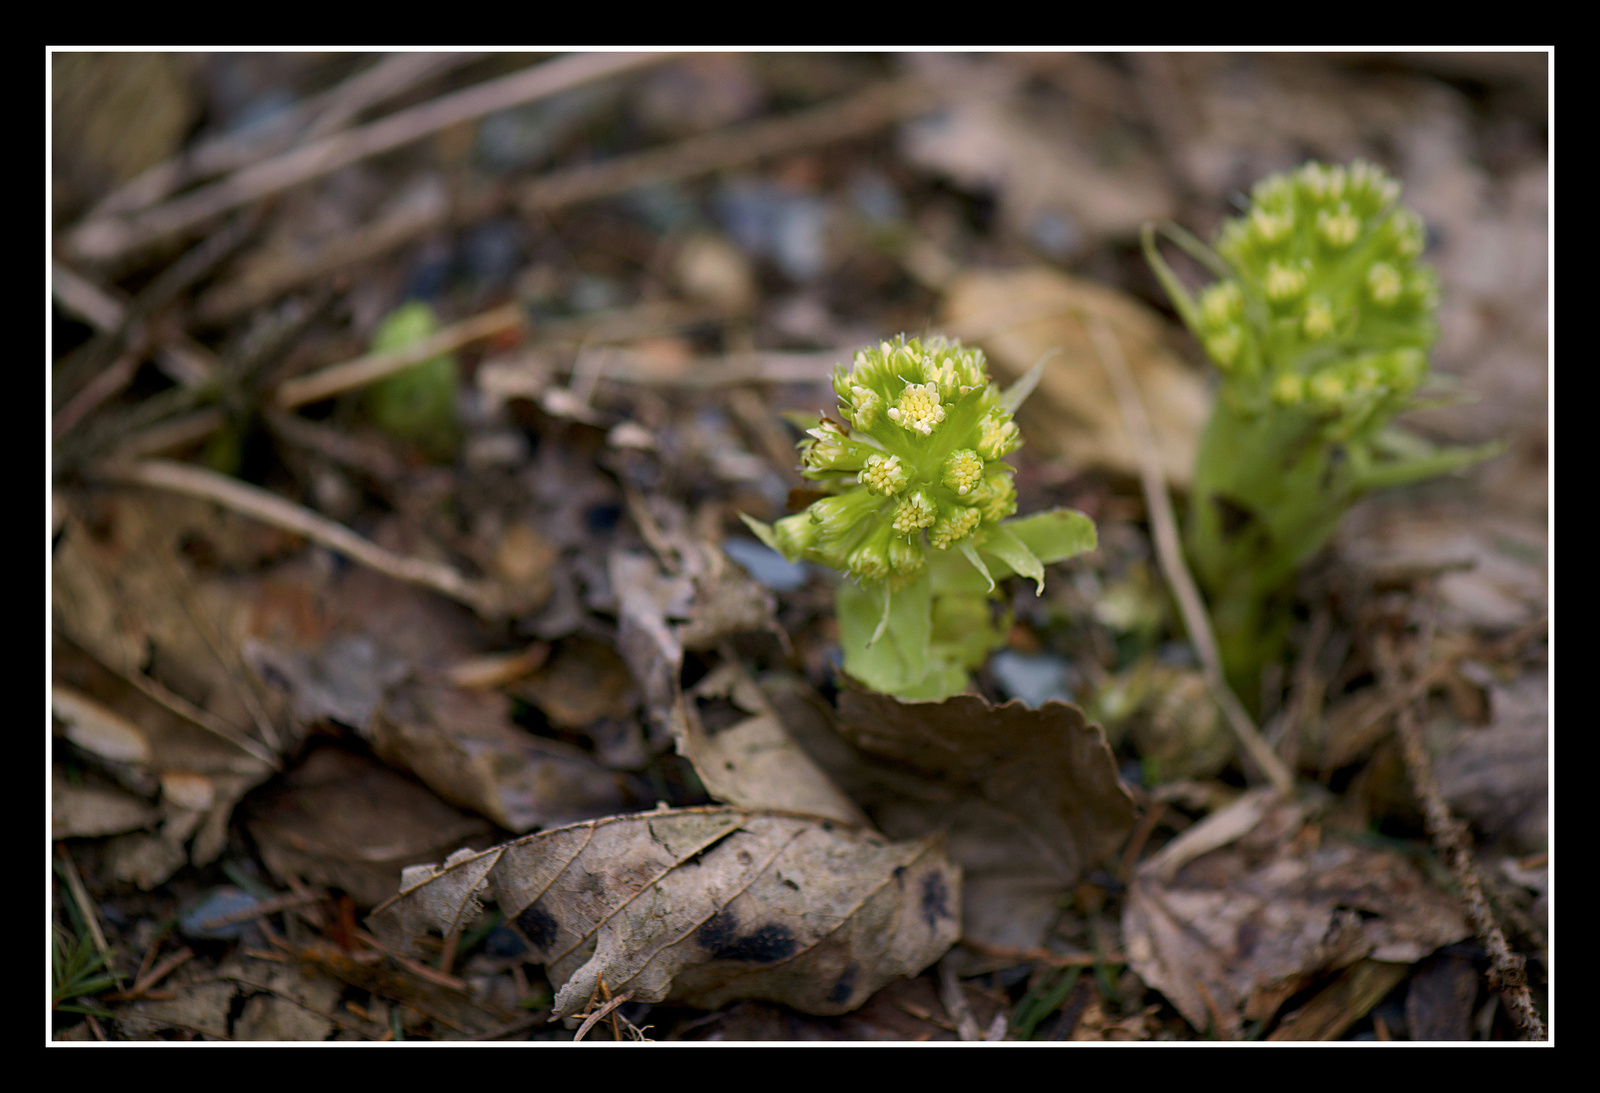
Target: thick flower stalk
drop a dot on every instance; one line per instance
(1320, 324)
(918, 492)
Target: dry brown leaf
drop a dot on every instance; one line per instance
(97, 729)
(1021, 317)
(464, 745)
(156, 597)
(1030, 798)
(585, 681)
(739, 748)
(1491, 568)
(364, 668)
(91, 807)
(201, 1005)
(704, 905)
(1235, 932)
(197, 776)
(345, 821)
(744, 755)
(291, 1006)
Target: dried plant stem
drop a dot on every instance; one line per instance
(375, 366)
(955, 1003)
(596, 1015)
(271, 509)
(1043, 956)
(861, 113)
(855, 116)
(1441, 669)
(1170, 554)
(1453, 840)
(314, 117)
(112, 238)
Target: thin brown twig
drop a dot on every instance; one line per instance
(861, 113)
(447, 957)
(75, 370)
(265, 907)
(1136, 841)
(367, 369)
(1451, 837)
(416, 968)
(1284, 731)
(1170, 553)
(955, 1004)
(105, 309)
(510, 1027)
(1042, 956)
(111, 238)
(172, 435)
(106, 384)
(147, 979)
(316, 116)
(1434, 674)
(372, 459)
(595, 1016)
(274, 510)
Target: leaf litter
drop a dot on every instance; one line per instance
(197, 654)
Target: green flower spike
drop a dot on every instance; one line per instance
(1320, 323)
(917, 511)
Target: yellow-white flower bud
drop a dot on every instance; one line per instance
(998, 436)
(1383, 283)
(883, 474)
(1318, 321)
(954, 527)
(1338, 228)
(914, 513)
(1284, 282)
(963, 470)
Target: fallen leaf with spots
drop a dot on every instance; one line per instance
(702, 905)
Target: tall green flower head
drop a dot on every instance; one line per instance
(914, 462)
(1323, 267)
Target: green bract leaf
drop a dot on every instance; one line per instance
(900, 658)
(762, 531)
(1055, 534)
(971, 555)
(1004, 544)
(1018, 392)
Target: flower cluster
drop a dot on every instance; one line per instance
(915, 460)
(1328, 307)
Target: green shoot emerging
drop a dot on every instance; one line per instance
(1320, 323)
(916, 515)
